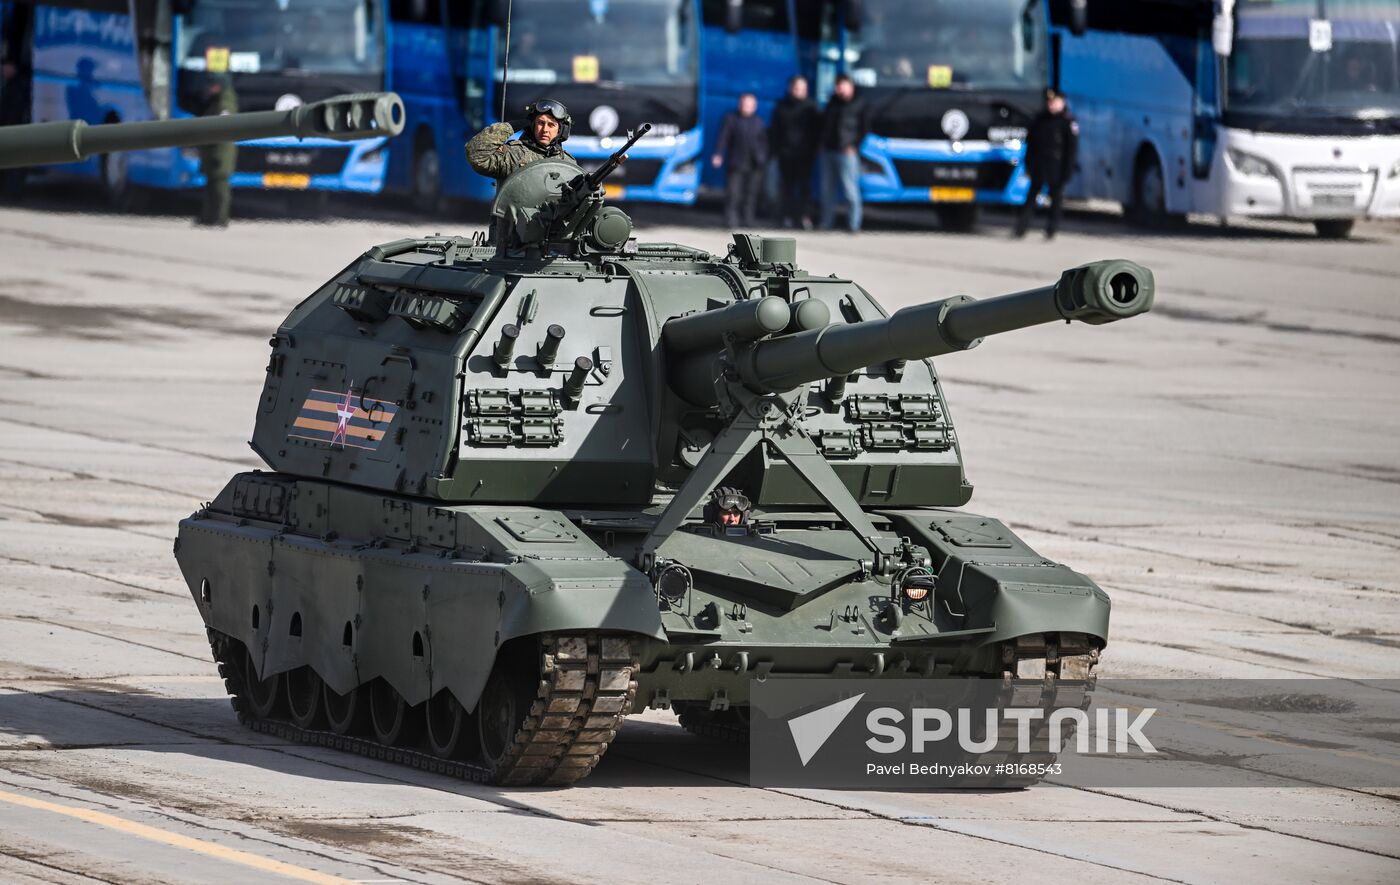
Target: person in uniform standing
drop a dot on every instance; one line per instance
(216, 161)
(792, 135)
(742, 150)
(492, 153)
(1051, 144)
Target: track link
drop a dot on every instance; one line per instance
(587, 685)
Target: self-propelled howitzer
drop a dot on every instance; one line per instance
(343, 118)
(525, 484)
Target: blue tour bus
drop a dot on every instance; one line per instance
(1262, 108)
(951, 87)
(614, 63)
(116, 61)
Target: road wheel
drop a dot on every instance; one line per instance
(304, 690)
(505, 702)
(346, 714)
(390, 717)
(451, 732)
(264, 695)
(1334, 228)
(960, 219)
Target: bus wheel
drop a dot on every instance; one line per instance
(1334, 228)
(1149, 207)
(427, 175)
(961, 218)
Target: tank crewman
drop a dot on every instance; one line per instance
(1051, 145)
(546, 128)
(727, 507)
(216, 161)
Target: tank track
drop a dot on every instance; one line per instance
(717, 725)
(1034, 674)
(587, 687)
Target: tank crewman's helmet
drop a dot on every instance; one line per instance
(556, 110)
(727, 507)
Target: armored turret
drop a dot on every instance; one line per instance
(549, 468)
(344, 118)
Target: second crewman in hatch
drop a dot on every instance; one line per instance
(493, 154)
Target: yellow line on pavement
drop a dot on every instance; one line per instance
(143, 831)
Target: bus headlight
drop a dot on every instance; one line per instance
(1248, 164)
(374, 157)
(1394, 170)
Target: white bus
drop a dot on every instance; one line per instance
(1259, 108)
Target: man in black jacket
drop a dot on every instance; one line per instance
(1051, 144)
(792, 134)
(742, 150)
(844, 127)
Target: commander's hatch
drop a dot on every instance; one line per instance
(782, 567)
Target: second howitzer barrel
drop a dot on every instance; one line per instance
(344, 118)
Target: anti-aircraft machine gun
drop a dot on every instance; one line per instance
(519, 489)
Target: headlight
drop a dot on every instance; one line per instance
(1248, 164)
(684, 170)
(870, 167)
(189, 155)
(374, 156)
(1394, 170)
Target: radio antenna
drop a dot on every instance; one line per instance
(505, 67)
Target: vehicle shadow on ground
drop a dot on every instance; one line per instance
(646, 753)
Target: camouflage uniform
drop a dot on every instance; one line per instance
(493, 154)
(216, 162)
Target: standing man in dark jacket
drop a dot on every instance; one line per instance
(1051, 145)
(792, 134)
(742, 150)
(844, 127)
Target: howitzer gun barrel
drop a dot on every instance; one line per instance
(1100, 292)
(343, 118)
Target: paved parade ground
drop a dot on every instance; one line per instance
(1227, 468)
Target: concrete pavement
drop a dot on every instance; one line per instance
(1226, 468)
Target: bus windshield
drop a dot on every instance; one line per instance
(955, 44)
(281, 36)
(636, 42)
(1281, 66)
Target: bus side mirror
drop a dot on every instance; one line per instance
(733, 16)
(1078, 17)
